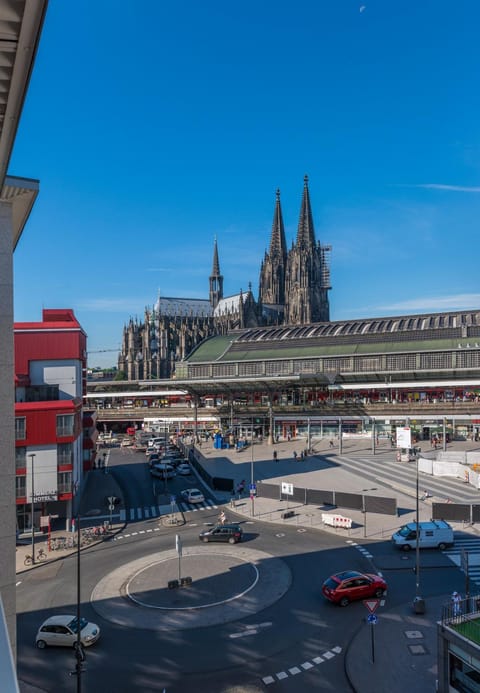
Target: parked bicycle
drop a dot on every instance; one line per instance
(41, 556)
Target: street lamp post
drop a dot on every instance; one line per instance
(419, 604)
(32, 458)
(252, 497)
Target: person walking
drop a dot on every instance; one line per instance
(222, 517)
(295, 455)
(275, 456)
(456, 604)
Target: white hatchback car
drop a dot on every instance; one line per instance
(193, 495)
(184, 469)
(62, 631)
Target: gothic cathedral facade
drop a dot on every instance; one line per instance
(293, 290)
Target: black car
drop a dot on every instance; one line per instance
(230, 533)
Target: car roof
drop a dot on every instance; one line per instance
(347, 575)
(59, 620)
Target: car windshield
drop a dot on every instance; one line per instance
(404, 531)
(73, 624)
(331, 584)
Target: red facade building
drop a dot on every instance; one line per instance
(53, 443)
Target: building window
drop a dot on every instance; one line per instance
(65, 425)
(20, 428)
(64, 482)
(20, 458)
(64, 454)
(20, 487)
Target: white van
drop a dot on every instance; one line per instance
(436, 534)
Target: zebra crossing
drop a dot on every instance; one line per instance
(466, 544)
(151, 511)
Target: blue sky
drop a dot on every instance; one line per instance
(154, 127)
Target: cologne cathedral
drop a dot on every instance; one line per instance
(293, 290)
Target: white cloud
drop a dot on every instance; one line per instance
(113, 305)
(443, 186)
(435, 303)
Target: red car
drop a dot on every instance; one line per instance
(351, 585)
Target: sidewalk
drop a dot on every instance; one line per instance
(94, 512)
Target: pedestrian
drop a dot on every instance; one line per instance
(331, 443)
(222, 518)
(295, 455)
(377, 440)
(456, 604)
(275, 456)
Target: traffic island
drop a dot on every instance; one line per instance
(228, 583)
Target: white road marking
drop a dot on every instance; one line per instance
(281, 675)
(18, 583)
(307, 665)
(250, 631)
(317, 660)
(268, 679)
(149, 530)
(328, 655)
(295, 670)
(336, 649)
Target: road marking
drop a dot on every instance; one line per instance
(280, 534)
(250, 631)
(301, 530)
(134, 534)
(293, 671)
(142, 531)
(18, 583)
(149, 530)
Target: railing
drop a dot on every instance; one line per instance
(463, 616)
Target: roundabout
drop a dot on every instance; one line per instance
(228, 583)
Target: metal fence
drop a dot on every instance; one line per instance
(352, 501)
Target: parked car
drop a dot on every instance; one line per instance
(61, 630)
(162, 470)
(192, 495)
(184, 469)
(229, 533)
(351, 585)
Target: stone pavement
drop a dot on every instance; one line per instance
(404, 649)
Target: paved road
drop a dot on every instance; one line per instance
(297, 643)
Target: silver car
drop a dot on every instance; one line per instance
(62, 631)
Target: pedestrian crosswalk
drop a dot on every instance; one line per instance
(147, 512)
(466, 551)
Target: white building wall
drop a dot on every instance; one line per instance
(66, 374)
(45, 480)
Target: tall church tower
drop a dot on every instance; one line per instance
(307, 278)
(271, 291)
(215, 279)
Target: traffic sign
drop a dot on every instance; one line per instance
(372, 619)
(111, 507)
(111, 500)
(371, 604)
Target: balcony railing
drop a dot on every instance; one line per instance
(464, 618)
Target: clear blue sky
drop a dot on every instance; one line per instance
(156, 126)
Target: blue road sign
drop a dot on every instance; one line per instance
(372, 619)
(252, 487)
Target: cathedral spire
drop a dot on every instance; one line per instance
(216, 263)
(278, 244)
(306, 232)
(215, 279)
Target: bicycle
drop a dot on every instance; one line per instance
(41, 556)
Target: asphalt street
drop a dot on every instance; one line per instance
(293, 641)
